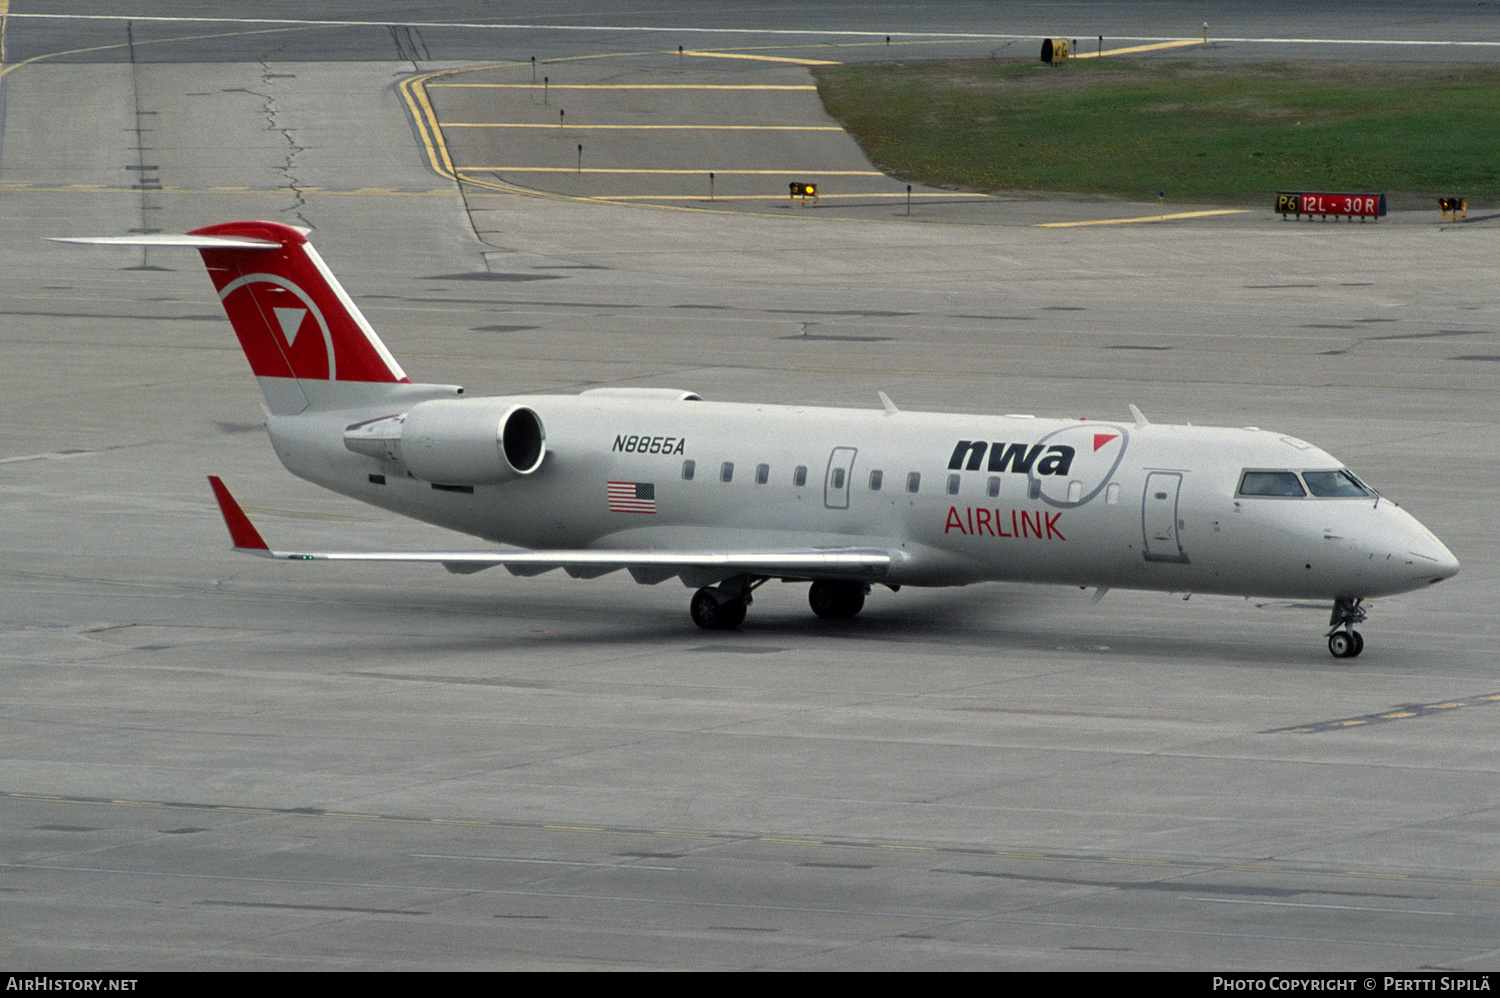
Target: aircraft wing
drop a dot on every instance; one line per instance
(646, 566)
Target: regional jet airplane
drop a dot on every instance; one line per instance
(726, 496)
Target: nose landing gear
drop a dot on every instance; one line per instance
(1343, 640)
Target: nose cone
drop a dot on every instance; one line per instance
(1433, 561)
(1414, 557)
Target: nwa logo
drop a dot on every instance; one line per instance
(1064, 469)
(296, 341)
(1014, 457)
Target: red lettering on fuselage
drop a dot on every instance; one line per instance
(979, 522)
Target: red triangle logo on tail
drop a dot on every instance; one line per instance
(1100, 439)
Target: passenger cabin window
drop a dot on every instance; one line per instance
(799, 477)
(688, 467)
(762, 474)
(726, 471)
(1271, 483)
(1334, 485)
(875, 477)
(838, 478)
(953, 485)
(914, 482)
(994, 486)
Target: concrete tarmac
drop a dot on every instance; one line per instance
(214, 762)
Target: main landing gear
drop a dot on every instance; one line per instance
(1344, 641)
(837, 600)
(722, 607)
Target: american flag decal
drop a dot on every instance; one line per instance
(631, 497)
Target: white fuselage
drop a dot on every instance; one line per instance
(955, 498)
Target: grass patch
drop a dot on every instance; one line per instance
(1216, 132)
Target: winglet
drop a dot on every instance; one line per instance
(241, 531)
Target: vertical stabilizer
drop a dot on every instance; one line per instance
(306, 340)
(294, 320)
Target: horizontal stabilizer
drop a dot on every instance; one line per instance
(173, 239)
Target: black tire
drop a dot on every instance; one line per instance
(1359, 643)
(1343, 644)
(836, 600)
(712, 612)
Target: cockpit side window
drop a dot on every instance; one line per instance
(1333, 484)
(1271, 483)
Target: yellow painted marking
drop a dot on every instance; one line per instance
(704, 172)
(1145, 218)
(1444, 706)
(1400, 713)
(138, 803)
(146, 41)
(797, 842)
(352, 814)
(760, 58)
(627, 86)
(571, 828)
(414, 92)
(4, 12)
(1348, 724)
(650, 128)
(1492, 696)
(762, 197)
(1156, 47)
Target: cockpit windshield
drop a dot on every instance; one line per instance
(1288, 484)
(1271, 483)
(1336, 484)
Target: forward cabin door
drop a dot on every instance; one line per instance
(836, 482)
(1159, 520)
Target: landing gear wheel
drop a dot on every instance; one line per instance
(714, 610)
(1344, 641)
(1345, 644)
(836, 600)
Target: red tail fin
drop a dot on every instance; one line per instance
(291, 315)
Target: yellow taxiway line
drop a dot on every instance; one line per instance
(645, 128)
(626, 86)
(788, 172)
(760, 58)
(889, 195)
(1156, 47)
(1145, 218)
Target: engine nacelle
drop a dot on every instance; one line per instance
(456, 441)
